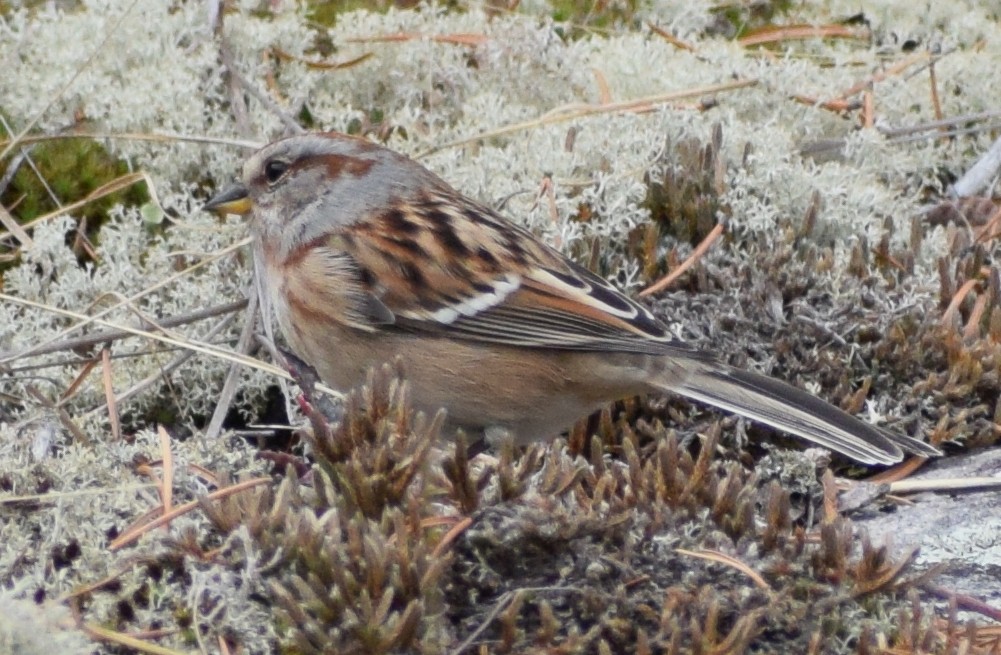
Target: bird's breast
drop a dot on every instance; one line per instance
(314, 293)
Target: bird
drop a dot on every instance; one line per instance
(366, 256)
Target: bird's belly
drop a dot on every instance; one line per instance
(486, 390)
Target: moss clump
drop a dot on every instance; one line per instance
(586, 15)
(738, 19)
(661, 548)
(325, 12)
(72, 169)
(684, 199)
(661, 552)
(353, 566)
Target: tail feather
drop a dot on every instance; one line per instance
(793, 410)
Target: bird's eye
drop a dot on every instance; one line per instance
(274, 169)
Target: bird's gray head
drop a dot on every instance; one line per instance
(304, 187)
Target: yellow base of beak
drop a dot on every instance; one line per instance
(233, 200)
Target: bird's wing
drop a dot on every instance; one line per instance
(461, 269)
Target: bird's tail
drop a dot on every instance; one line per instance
(793, 410)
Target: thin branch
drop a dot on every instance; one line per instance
(127, 538)
(14, 228)
(230, 385)
(980, 174)
(109, 393)
(164, 371)
(85, 320)
(570, 112)
(64, 418)
(107, 336)
(505, 599)
(892, 132)
(728, 560)
(696, 255)
(204, 348)
(137, 136)
(249, 87)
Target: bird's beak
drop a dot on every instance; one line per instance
(233, 200)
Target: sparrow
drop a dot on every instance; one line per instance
(366, 256)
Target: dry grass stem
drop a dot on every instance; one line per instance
(563, 114)
(699, 252)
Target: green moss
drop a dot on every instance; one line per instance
(737, 19)
(325, 12)
(72, 169)
(588, 13)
